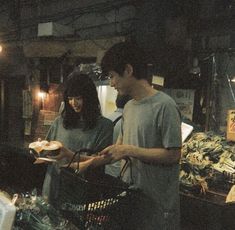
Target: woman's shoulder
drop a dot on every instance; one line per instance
(58, 120)
(104, 120)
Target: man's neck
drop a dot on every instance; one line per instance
(142, 89)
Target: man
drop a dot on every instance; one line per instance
(150, 137)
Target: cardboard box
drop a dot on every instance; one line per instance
(231, 125)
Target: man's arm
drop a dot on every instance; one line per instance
(148, 155)
(156, 155)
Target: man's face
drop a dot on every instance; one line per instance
(122, 83)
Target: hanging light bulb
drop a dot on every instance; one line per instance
(42, 95)
(195, 69)
(1, 48)
(232, 79)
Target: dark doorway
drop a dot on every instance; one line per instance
(12, 124)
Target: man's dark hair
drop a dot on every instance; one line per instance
(121, 100)
(121, 54)
(81, 85)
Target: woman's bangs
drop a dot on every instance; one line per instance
(73, 91)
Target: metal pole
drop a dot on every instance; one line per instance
(2, 109)
(210, 90)
(211, 109)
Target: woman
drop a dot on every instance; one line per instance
(80, 125)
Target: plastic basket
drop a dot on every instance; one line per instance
(104, 203)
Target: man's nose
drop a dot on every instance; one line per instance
(73, 101)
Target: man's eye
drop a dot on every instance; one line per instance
(110, 76)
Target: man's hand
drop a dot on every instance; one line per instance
(117, 152)
(148, 155)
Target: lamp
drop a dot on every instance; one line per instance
(232, 79)
(42, 94)
(195, 70)
(44, 88)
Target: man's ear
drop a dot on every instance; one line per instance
(129, 69)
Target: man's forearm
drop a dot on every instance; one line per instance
(155, 155)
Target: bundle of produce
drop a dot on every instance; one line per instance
(205, 155)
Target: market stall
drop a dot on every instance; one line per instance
(206, 177)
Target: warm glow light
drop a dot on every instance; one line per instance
(233, 79)
(0, 48)
(42, 95)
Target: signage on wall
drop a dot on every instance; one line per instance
(231, 125)
(184, 98)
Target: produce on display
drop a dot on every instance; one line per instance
(208, 160)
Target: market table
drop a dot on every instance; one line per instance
(207, 212)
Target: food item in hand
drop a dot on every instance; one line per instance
(52, 146)
(43, 147)
(38, 145)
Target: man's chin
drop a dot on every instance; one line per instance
(120, 92)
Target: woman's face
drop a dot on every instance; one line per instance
(76, 103)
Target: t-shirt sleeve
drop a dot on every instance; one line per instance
(171, 126)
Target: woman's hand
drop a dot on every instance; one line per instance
(90, 162)
(64, 153)
(81, 166)
(48, 157)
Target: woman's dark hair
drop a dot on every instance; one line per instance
(81, 85)
(121, 54)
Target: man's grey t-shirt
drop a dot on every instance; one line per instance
(154, 122)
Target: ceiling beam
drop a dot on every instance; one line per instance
(54, 48)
